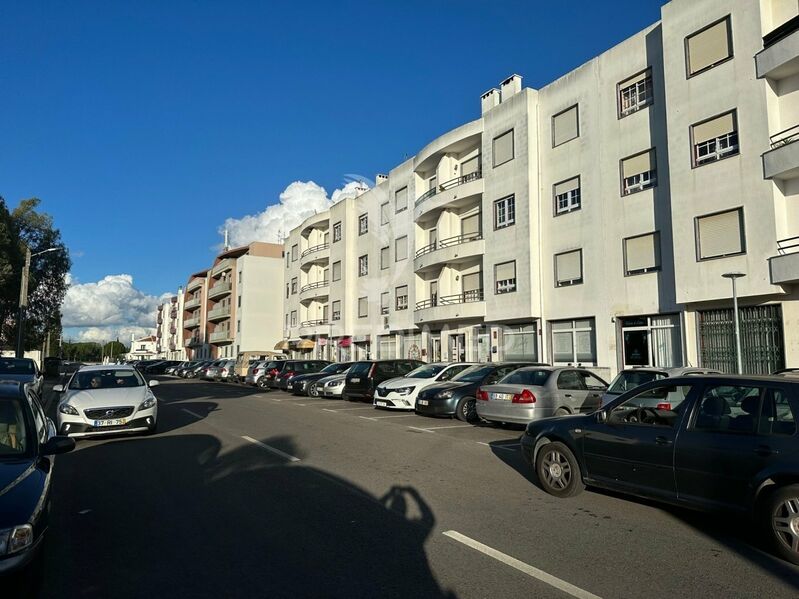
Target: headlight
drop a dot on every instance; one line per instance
(16, 539)
(65, 408)
(404, 390)
(334, 384)
(444, 394)
(148, 403)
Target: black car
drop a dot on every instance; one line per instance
(364, 377)
(288, 369)
(302, 383)
(27, 438)
(456, 397)
(711, 442)
(22, 370)
(160, 367)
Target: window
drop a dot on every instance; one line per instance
(401, 294)
(729, 409)
(472, 285)
(294, 318)
(294, 250)
(400, 199)
(363, 307)
(363, 266)
(776, 417)
(293, 285)
(287, 321)
(503, 148)
(384, 258)
(505, 277)
(401, 248)
(565, 126)
(363, 224)
(470, 227)
(573, 342)
(471, 167)
(337, 270)
(337, 232)
(715, 138)
(642, 254)
(569, 268)
(567, 195)
(336, 310)
(638, 172)
(384, 213)
(287, 290)
(570, 380)
(660, 406)
(384, 300)
(238, 326)
(287, 259)
(649, 341)
(635, 93)
(520, 343)
(720, 234)
(708, 47)
(504, 212)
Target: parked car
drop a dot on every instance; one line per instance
(630, 378)
(288, 369)
(331, 386)
(457, 397)
(51, 366)
(197, 371)
(400, 393)
(730, 445)
(260, 372)
(184, 371)
(210, 372)
(22, 370)
(141, 365)
(364, 377)
(106, 399)
(303, 384)
(226, 371)
(538, 392)
(160, 367)
(789, 372)
(27, 440)
(246, 359)
(175, 367)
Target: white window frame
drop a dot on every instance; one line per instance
(363, 224)
(570, 282)
(335, 314)
(638, 95)
(363, 301)
(401, 301)
(336, 231)
(363, 265)
(573, 330)
(569, 201)
(507, 208)
(505, 285)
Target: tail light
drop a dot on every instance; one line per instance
(482, 395)
(371, 370)
(664, 406)
(289, 374)
(273, 372)
(525, 396)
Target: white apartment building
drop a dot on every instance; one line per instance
(143, 348)
(236, 304)
(587, 222)
(169, 328)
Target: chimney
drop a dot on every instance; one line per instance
(227, 240)
(512, 85)
(380, 179)
(488, 100)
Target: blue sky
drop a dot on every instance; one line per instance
(143, 126)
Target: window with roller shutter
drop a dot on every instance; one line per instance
(502, 148)
(720, 234)
(715, 138)
(708, 47)
(635, 93)
(642, 254)
(505, 277)
(401, 199)
(565, 126)
(638, 172)
(569, 268)
(567, 195)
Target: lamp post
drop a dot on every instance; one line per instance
(23, 297)
(734, 276)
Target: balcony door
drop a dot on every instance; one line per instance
(434, 293)
(470, 227)
(472, 287)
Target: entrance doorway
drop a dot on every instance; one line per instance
(434, 347)
(457, 348)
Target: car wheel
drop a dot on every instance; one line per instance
(261, 383)
(558, 471)
(562, 412)
(313, 391)
(781, 515)
(466, 410)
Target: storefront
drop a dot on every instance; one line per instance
(651, 341)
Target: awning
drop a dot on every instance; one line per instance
(282, 345)
(345, 342)
(306, 344)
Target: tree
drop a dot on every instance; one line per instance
(114, 349)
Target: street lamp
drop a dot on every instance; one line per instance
(734, 276)
(23, 297)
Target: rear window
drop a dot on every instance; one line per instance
(360, 368)
(16, 366)
(526, 377)
(630, 379)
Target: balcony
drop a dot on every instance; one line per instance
(451, 250)
(454, 193)
(223, 266)
(315, 254)
(220, 337)
(781, 162)
(314, 328)
(219, 313)
(315, 290)
(465, 305)
(779, 57)
(194, 284)
(192, 303)
(193, 341)
(784, 269)
(173, 313)
(191, 323)
(172, 346)
(220, 289)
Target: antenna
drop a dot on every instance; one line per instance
(227, 240)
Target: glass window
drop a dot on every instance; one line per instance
(384, 300)
(294, 285)
(630, 379)
(363, 266)
(294, 318)
(401, 295)
(384, 258)
(642, 254)
(16, 366)
(720, 234)
(708, 47)
(776, 417)
(567, 195)
(336, 310)
(401, 199)
(520, 343)
(592, 382)
(635, 93)
(660, 406)
(570, 380)
(715, 138)
(565, 126)
(363, 224)
(363, 307)
(337, 232)
(504, 212)
(505, 277)
(384, 213)
(638, 172)
(13, 433)
(503, 149)
(569, 268)
(294, 250)
(573, 342)
(729, 408)
(401, 248)
(526, 377)
(337, 270)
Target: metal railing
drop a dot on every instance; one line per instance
(314, 323)
(223, 335)
(449, 185)
(221, 287)
(789, 245)
(223, 265)
(466, 297)
(450, 241)
(316, 285)
(316, 248)
(220, 312)
(783, 138)
(781, 32)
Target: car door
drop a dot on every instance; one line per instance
(569, 392)
(595, 387)
(632, 449)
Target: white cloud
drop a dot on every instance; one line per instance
(298, 201)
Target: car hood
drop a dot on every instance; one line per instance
(406, 382)
(106, 398)
(311, 376)
(433, 389)
(333, 377)
(21, 486)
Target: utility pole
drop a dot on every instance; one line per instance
(23, 304)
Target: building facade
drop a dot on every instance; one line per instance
(169, 328)
(143, 348)
(588, 222)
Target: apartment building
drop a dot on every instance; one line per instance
(169, 328)
(591, 221)
(235, 304)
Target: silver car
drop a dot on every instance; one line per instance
(536, 392)
(331, 386)
(630, 378)
(225, 372)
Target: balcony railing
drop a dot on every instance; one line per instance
(191, 303)
(449, 241)
(222, 335)
(315, 285)
(474, 295)
(172, 330)
(159, 320)
(221, 287)
(783, 138)
(316, 248)
(781, 32)
(219, 312)
(449, 185)
(314, 323)
(789, 245)
(223, 265)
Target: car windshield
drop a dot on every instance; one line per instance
(334, 368)
(526, 377)
(16, 366)
(427, 371)
(12, 428)
(473, 374)
(106, 379)
(630, 379)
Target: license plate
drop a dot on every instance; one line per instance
(381, 403)
(112, 422)
(423, 402)
(355, 380)
(502, 396)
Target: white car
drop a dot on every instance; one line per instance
(400, 393)
(331, 386)
(106, 400)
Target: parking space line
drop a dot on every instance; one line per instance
(532, 571)
(393, 416)
(347, 409)
(195, 414)
(435, 428)
(286, 456)
(423, 430)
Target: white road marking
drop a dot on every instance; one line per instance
(506, 447)
(290, 458)
(195, 414)
(83, 512)
(346, 409)
(424, 430)
(435, 428)
(553, 581)
(382, 417)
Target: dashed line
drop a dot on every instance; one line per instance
(282, 454)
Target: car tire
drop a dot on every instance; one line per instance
(558, 471)
(466, 411)
(780, 517)
(562, 412)
(313, 391)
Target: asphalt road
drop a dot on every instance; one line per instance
(245, 493)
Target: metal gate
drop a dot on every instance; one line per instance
(761, 339)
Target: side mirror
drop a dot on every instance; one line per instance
(59, 444)
(601, 416)
(152, 383)
(58, 388)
